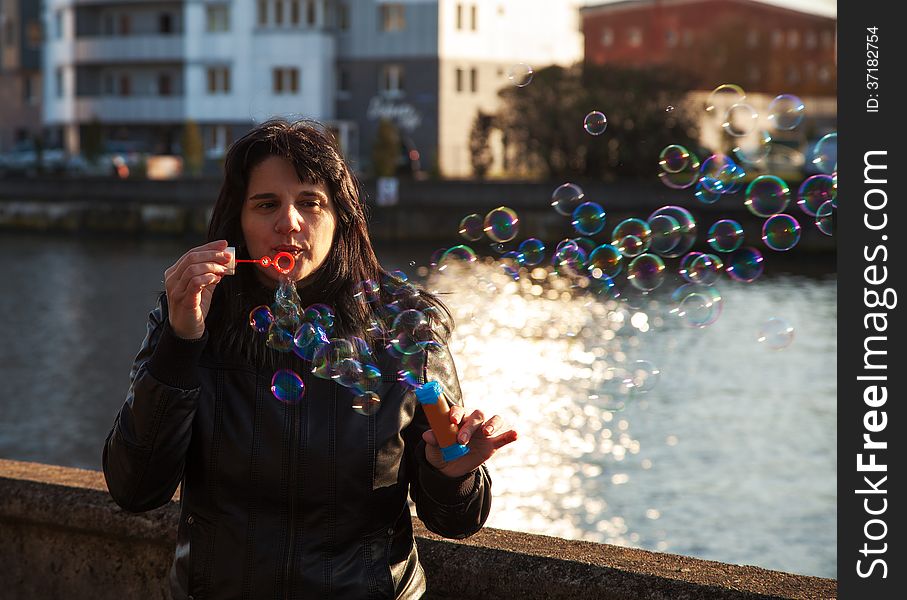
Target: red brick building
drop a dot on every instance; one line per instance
(762, 47)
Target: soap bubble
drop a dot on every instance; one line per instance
(767, 195)
(685, 177)
(607, 259)
(307, 339)
(704, 269)
(720, 174)
(472, 227)
(595, 123)
(520, 74)
(687, 229)
(825, 218)
(456, 255)
(724, 96)
(328, 357)
(725, 235)
(696, 305)
(279, 338)
(631, 236)
(570, 260)
(776, 333)
(740, 119)
(705, 195)
(641, 376)
(824, 155)
(367, 403)
(411, 329)
(786, 112)
(753, 148)
(646, 272)
(531, 251)
(260, 318)
(287, 386)
(814, 192)
(588, 218)
(781, 232)
(674, 158)
(745, 264)
(566, 198)
(666, 233)
(501, 224)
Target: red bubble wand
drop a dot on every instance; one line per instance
(282, 262)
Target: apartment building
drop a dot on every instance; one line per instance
(20, 72)
(140, 69)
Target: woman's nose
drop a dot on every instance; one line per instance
(289, 220)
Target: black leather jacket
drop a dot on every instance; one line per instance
(281, 500)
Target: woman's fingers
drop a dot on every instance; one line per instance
(469, 426)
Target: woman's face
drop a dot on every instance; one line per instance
(282, 214)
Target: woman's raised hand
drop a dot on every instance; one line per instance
(190, 284)
(483, 438)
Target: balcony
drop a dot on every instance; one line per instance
(129, 49)
(135, 109)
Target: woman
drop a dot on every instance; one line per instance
(303, 499)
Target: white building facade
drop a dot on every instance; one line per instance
(142, 69)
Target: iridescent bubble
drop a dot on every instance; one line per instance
(631, 236)
(411, 329)
(687, 228)
(457, 255)
(824, 155)
(570, 260)
(745, 264)
(725, 235)
(588, 218)
(753, 148)
(696, 305)
(532, 252)
(641, 376)
(510, 264)
(595, 123)
(607, 259)
(724, 96)
(603, 286)
(411, 366)
(348, 372)
(740, 119)
(320, 314)
(501, 224)
(704, 195)
(776, 333)
(367, 292)
(719, 173)
(585, 244)
(566, 198)
(814, 192)
(786, 112)
(260, 318)
(767, 195)
(646, 272)
(472, 227)
(825, 218)
(367, 403)
(781, 232)
(520, 74)
(666, 233)
(669, 108)
(684, 268)
(307, 339)
(279, 338)
(674, 158)
(287, 386)
(683, 178)
(704, 270)
(327, 359)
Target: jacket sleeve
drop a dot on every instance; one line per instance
(451, 507)
(144, 453)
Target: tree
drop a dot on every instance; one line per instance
(543, 122)
(479, 150)
(386, 149)
(193, 149)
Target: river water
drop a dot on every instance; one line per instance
(727, 453)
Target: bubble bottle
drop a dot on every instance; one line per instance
(437, 409)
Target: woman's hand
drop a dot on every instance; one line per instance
(483, 438)
(190, 284)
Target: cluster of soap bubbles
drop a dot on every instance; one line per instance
(402, 322)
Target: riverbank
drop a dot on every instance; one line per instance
(65, 537)
(425, 211)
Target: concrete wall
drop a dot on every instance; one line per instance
(63, 537)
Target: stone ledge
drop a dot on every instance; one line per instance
(61, 521)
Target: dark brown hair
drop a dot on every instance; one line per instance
(316, 157)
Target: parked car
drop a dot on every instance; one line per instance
(26, 159)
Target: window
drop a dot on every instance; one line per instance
(754, 73)
(634, 36)
(752, 38)
(10, 33)
(391, 82)
(473, 80)
(109, 27)
(459, 80)
(671, 38)
(125, 88)
(343, 16)
(285, 80)
(391, 17)
(793, 74)
(125, 25)
(777, 38)
(343, 80)
(294, 13)
(607, 37)
(164, 85)
(793, 39)
(58, 24)
(218, 17)
(110, 86)
(824, 74)
(827, 39)
(459, 17)
(218, 80)
(687, 38)
(58, 82)
(33, 34)
(474, 17)
(278, 13)
(165, 23)
(310, 13)
(218, 138)
(27, 92)
(262, 13)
